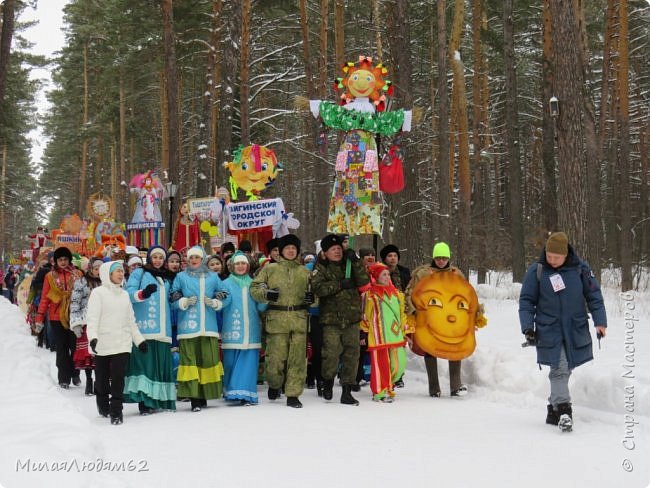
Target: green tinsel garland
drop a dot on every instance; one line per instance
(384, 123)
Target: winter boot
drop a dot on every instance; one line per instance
(117, 420)
(460, 391)
(196, 404)
(274, 393)
(319, 387)
(551, 415)
(76, 381)
(565, 416)
(327, 389)
(89, 387)
(346, 396)
(293, 402)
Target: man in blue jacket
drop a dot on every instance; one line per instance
(555, 295)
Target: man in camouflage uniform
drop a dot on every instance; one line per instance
(285, 286)
(340, 314)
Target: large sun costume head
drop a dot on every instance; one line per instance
(253, 169)
(446, 310)
(362, 79)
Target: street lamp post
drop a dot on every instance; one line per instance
(171, 192)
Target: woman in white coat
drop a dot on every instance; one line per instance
(111, 329)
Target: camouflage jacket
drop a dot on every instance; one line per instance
(338, 306)
(289, 277)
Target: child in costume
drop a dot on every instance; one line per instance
(111, 331)
(150, 378)
(385, 323)
(241, 334)
(193, 295)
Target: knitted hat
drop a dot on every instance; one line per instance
(115, 265)
(195, 251)
(239, 257)
(133, 260)
(441, 250)
(386, 250)
(156, 250)
(329, 241)
(289, 239)
(558, 243)
(62, 252)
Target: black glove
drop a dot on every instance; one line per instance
(143, 347)
(221, 295)
(309, 297)
(351, 255)
(530, 336)
(347, 284)
(149, 290)
(272, 295)
(93, 344)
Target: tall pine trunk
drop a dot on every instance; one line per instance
(6, 36)
(549, 185)
(459, 116)
(244, 72)
(569, 83)
(171, 92)
(232, 23)
(623, 119)
(444, 231)
(512, 147)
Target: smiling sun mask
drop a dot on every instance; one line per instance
(446, 306)
(253, 169)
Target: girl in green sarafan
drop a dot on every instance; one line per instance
(385, 322)
(355, 204)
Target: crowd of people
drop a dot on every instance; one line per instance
(166, 327)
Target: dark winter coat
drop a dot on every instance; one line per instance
(338, 306)
(560, 318)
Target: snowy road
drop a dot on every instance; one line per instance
(494, 437)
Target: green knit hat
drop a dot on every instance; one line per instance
(558, 243)
(441, 250)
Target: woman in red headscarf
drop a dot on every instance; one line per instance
(385, 322)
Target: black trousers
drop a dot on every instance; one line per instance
(109, 379)
(65, 341)
(316, 340)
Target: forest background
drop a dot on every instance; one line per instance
(491, 167)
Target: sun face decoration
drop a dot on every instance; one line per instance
(446, 306)
(362, 79)
(253, 169)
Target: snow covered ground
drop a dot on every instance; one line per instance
(494, 437)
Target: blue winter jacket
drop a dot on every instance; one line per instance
(153, 312)
(241, 327)
(560, 318)
(198, 320)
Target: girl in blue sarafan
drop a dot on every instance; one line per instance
(241, 334)
(150, 380)
(193, 294)
(556, 294)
